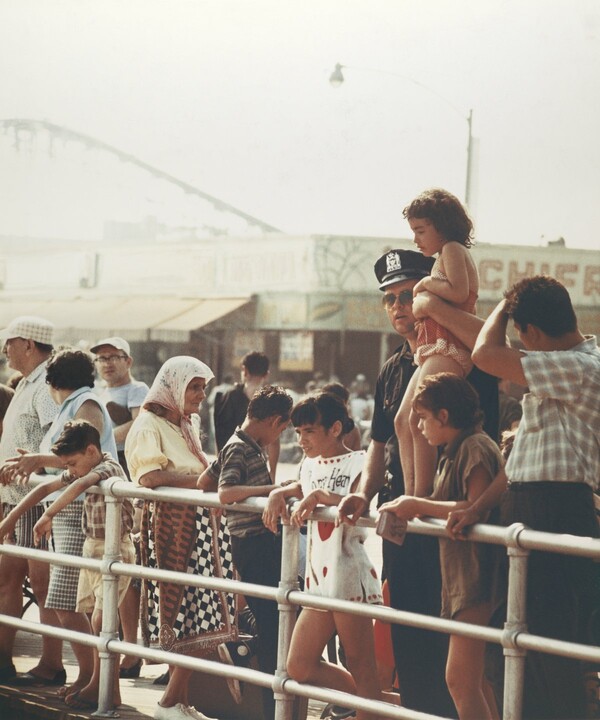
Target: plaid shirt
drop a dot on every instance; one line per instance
(241, 462)
(93, 521)
(559, 436)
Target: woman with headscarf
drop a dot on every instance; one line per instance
(163, 449)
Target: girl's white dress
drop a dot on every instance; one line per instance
(337, 564)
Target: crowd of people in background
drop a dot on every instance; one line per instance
(431, 440)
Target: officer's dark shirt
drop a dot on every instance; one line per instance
(389, 392)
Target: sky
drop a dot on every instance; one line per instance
(233, 97)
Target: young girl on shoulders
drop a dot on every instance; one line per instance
(449, 416)
(441, 228)
(337, 565)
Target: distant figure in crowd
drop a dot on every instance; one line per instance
(230, 407)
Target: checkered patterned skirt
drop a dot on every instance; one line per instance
(188, 539)
(68, 538)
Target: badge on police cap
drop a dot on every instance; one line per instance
(398, 265)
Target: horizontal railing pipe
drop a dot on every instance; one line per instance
(517, 538)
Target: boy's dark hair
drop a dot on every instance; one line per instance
(322, 408)
(446, 391)
(544, 302)
(256, 363)
(70, 370)
(75, 438)
(445, 212)
(270, 401)
(337, 389)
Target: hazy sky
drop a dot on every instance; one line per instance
(233, 97)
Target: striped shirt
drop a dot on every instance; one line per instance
(559, 435)
(93, 521)
(241, 462)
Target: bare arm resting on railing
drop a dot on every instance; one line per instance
(356, 504)
(407, 507)
(168, 478)
(276, 508)
(315, 497)
(32, 498)
(460, 519)
(43, 527)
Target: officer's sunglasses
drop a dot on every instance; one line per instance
(404, 298)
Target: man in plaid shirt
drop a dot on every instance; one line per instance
(552, 473)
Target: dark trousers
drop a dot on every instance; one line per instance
(563, 596)
(258, 560)
(413, 574)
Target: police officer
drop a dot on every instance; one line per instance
(412, 570)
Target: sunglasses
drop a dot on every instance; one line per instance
(404, 298)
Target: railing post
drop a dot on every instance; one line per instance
(284, 703)
(516, 616)
(110, 612)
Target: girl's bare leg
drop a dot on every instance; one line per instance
(405, 435)
(464, 669)
(358, 640)
(425, 455)
(312, 631)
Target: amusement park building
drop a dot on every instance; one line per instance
(311, 302)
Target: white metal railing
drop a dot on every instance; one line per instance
(514, 638)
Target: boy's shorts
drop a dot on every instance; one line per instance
(89, 589)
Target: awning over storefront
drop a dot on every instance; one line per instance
(137, 318)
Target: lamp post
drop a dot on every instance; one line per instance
(337, 78)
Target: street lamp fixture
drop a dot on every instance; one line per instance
(337, 78)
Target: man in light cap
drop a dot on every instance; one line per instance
(412, 570)
(27, 344)
(122, 395)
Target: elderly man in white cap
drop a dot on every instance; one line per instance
(27, 344)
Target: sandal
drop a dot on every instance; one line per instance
(78, 703)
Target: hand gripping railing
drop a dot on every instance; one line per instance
(514, 638)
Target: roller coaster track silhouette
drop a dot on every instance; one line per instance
(57, 132)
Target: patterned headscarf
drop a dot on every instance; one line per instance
(168, 391)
